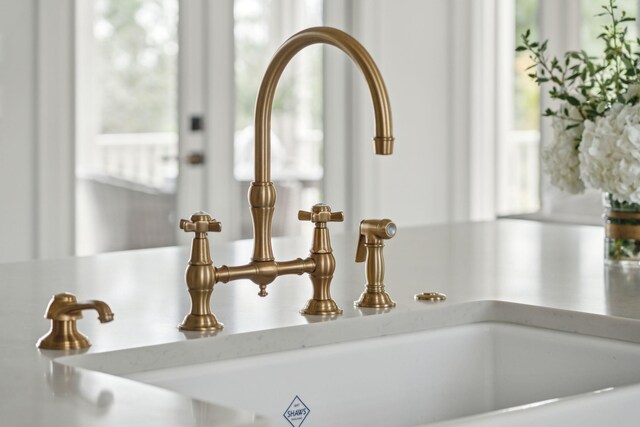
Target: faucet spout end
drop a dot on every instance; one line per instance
(383, 145)
(105, 317)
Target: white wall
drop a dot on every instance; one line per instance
(442, 167)
(415, 182)
(17, 130)
(36, 129)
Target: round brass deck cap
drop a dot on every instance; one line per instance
(431, 296)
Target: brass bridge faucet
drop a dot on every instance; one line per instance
(263, 268)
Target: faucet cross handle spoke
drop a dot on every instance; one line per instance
(320, 213)
(200, 222)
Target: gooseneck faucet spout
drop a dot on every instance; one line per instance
(263, 268)
(262, 194)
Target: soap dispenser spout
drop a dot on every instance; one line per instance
(64, 310)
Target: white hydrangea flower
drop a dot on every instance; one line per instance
(610, 153)
(560, 157)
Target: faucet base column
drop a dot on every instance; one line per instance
(200, 322)
(63, 336)
(375, 300)
(322, 307)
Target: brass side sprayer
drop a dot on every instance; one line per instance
(373, 233)
(320, 265)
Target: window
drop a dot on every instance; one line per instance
(575, 26)
(520, 164)
(126, 155)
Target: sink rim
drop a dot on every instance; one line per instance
(331, 331)
(471, 343)
(223, 347)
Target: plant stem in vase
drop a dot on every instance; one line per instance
(622, 231)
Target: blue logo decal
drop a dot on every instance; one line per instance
(296, 413)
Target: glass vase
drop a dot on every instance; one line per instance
(622, 232)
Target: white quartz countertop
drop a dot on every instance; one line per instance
(540, 264)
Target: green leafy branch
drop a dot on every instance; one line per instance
(589, 84)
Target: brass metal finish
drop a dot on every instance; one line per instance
(622, 231)
(262, 193)
(320, 265)
(322, 255)
(373, 232)
(431, 296)
(64, 310)
(622, 215)
(266, 271)
(200, 274)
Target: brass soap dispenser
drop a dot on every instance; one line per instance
(64, 310)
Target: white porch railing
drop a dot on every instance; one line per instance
(523, 171)
(149, 159)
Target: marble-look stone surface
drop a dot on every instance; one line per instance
(536, 264)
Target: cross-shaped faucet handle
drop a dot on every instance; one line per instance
(320, 213)
(200, 222)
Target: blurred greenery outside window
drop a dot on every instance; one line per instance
(127, 147)
(527, 93)
(592, 24)
(522, 148)
(137, 67)
(135, 79)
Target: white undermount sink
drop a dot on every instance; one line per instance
(482, 362)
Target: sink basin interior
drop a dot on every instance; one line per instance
(410, 378)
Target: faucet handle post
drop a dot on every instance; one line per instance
(373, 232)
(322, 255)
(200, 274)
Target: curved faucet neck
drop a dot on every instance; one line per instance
(383, 139)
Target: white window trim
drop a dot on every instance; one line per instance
(338, 118)
(222, 200)
(55, 124)
(559, 22)
(473, 85)
(484, 112)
